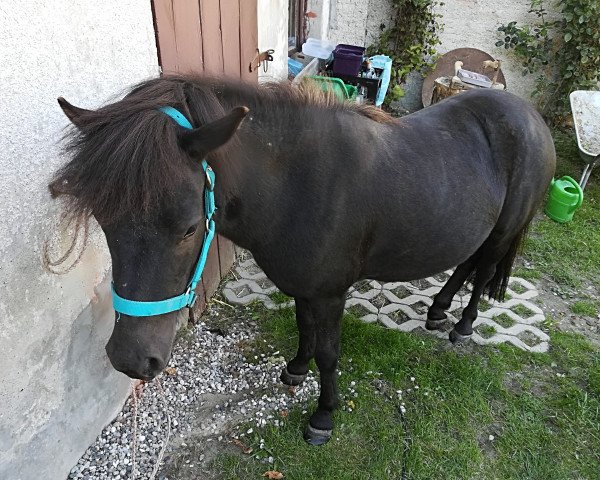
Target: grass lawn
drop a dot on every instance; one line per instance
(463, 413)
(568, 253)
(471, 413)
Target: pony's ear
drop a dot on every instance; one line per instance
(200, 141)
(73, 113)
(59, 187)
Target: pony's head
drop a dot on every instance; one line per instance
(139, 174)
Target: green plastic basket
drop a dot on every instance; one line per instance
(340, 89)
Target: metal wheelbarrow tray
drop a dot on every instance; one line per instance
(585, 105)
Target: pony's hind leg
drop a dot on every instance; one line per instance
(436, 315)
(464, 328)
(492, 272)
(297, 368)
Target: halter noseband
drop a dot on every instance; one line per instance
(147, 309)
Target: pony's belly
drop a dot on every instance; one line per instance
(421, 257)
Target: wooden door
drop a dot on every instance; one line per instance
(215, 37)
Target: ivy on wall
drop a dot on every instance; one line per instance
(410, 40)
(564, 53)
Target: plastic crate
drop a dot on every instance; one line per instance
(347, 59)
(354, 48)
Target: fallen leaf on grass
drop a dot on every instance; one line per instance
(244, 448)
(273, 475)
(171, 371)
(284, 413)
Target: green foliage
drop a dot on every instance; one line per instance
(409, 40)
(565, 53)
(584, 307)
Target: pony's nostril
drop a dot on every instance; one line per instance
(155, 365)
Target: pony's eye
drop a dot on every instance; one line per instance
(190, 231)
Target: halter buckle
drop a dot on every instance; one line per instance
(209, 182)
(194, 297)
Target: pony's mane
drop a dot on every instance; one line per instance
(125, 156)
(310, 93)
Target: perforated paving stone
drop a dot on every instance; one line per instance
(403, 306)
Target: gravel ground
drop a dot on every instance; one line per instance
(213, 383)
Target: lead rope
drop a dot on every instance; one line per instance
(161, 454)
(134, 440)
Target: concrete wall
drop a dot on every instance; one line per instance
(273, 34)
(57, 388)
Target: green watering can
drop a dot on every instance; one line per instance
(565, 197)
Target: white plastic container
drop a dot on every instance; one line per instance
(314, 47)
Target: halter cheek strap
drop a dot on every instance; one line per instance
(134, 308)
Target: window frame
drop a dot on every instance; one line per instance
(300, 25)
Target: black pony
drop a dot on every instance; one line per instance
(323, 194)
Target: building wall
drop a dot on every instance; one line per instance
(273, 34)
(348, 21)
(318, 26)
(57, 388)
(468, 23)
(474, 23)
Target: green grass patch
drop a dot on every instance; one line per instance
(543, 425)
(484, 305)
(517, 287)
(486, 331)
(504, 320)
(279, 298)
(585, 307)
(527, 273)
(522, 310)
(568, 253)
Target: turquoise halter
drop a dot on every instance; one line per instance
(147, 309)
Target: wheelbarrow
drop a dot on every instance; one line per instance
(585, 105)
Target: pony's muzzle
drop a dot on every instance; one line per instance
(142, 367)
(140, 347)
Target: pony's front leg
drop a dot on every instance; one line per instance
(327, 316)
(297, 368)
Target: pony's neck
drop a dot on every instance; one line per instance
(280, 147)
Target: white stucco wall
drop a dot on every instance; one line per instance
(318, 26)
(57, 388)
(474, 23)
(348, 21)
(273, 34)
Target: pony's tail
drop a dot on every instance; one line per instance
(496, 287)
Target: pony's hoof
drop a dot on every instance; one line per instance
(435, 319)
(291, 379)
(458, 338)
(314, 436)
(436, 324)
